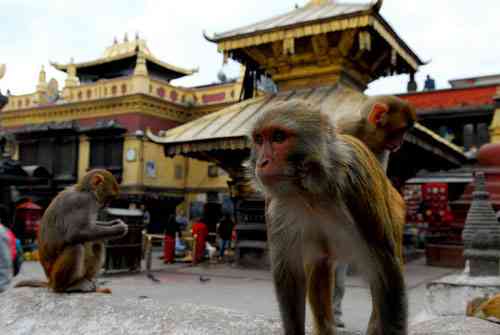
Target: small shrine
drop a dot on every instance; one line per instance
(325, 52)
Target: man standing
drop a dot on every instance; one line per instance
(338, 293)
(225, 231)
(171, 230)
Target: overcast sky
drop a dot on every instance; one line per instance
(461, 38)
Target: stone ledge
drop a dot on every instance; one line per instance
(40, 312)
(448, 296)
(455, 325)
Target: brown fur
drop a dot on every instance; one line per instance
(331, 195)
(70, 237)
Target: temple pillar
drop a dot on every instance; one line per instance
(84, 156)
(140, 79)
(495, 123)
(133, 160)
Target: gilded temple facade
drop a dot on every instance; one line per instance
(98, 120)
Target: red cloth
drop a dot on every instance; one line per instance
(201, 231)
(168, 249)
(12, 242)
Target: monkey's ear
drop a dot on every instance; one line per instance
(378, 115)
(96, 180)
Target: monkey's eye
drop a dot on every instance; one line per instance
(257, 138)
(279, 136)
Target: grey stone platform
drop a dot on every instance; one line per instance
(30, 311)
(455, 325)
(448, 296)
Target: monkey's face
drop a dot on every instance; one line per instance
(272, 146)
(288, 148)
(107, 190)
(394, 130)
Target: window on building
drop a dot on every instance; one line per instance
(107, 153)
(468, 136)
(475, 134)
(483, 134)
(28, 152)
(179, 172)
(59, 155)
(66, 157)
(213, 171)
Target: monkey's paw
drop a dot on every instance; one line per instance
(123, 228)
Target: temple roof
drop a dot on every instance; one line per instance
(227, 129)
(475, 96)
(317, 17)
(123, 55)
(310, 13)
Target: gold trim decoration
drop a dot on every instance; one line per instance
(313, 29)
(64, 67)
(438, 138)
(137, 103)
(379, 28)
(321, 28)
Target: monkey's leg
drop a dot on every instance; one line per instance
(389, 314)
(94, 259)
(68, 268)
(289, 284)
(319, 291)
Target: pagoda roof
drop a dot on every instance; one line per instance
(308, 14)
(228, 128)
(312, 19)
(124, 50)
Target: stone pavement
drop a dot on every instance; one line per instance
(246, 293)
(39, 312)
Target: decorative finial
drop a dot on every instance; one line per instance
(125, 38)
(2, 70)
(318, 2)
(115, 40)
(137, 36)
(72, 60)
(42, 77)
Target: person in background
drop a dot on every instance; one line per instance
(182, 220)
(225, 231)
(339, 292)
(171, 230)
(11, 257)
(146, 217)
(200, 233)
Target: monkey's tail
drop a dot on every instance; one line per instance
(32, 283)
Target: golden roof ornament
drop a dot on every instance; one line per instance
(42, 76)
(2, 70)
(319, 2)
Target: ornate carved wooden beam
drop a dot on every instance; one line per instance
(257, 55)
(347, 40)
(320, 47)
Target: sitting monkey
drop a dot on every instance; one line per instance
(71, 239)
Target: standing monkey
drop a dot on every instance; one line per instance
(71, 239)
(327, 199)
